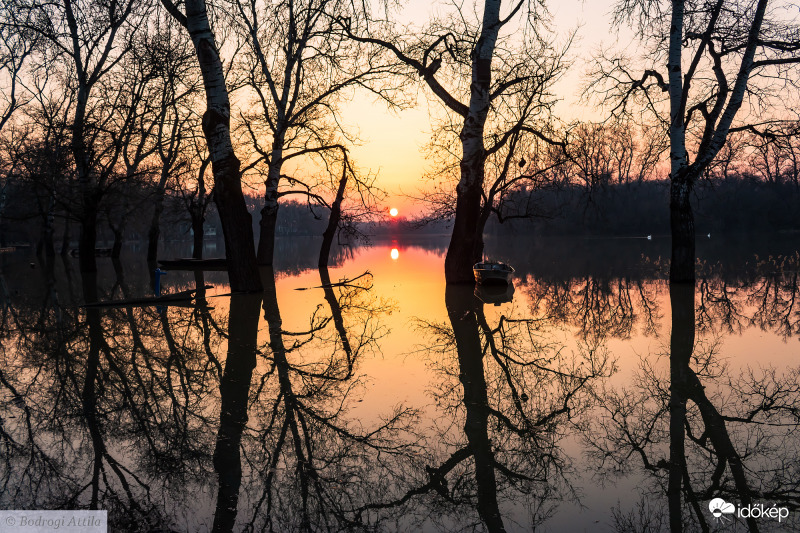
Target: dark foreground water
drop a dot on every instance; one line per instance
(591, 396)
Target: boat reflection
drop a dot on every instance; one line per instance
(494, 294)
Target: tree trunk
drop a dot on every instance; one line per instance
(269, 213)
(681, 219)
(89, 199)
(197, 234)
(461, 309)
(464, 249)
(3, 203)
(152, 240)
(116, 249)
(266, 239)
(155, 230)
(155, 223)
(236, 221)
(65, 238)
(88, 236)
(48, 229)
(234, 392)
(333, 223)
(682, 227)
(465, 245)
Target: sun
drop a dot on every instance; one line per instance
(393, 211)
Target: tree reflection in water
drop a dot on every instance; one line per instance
(519, 397)
(313, 464)
(701, 432)
(135, 410)
(118, 409)
(234, 391)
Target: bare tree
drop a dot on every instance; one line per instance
(297, 70)
(195, 197)
(591, 156)
(88, 39)
(491, 110)
(236, 221)
(734, 51)
(175, 121)
(774, 154)
(650, 151)
(39, 167)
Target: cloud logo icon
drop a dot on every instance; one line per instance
(720, 507)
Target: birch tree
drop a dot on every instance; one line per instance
(490, 108)
(225, 166)
(730, 65)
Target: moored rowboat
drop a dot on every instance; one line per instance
(188, 263)
(492, 272)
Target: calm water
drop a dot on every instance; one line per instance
(591, 396)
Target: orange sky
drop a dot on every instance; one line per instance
(392, 141)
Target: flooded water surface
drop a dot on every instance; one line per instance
(589, 395)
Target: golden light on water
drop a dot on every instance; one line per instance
(393, 211)
(394, 253)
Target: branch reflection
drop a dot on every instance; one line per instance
(134, 410)
(702, 431)
(519, 397)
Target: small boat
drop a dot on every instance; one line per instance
(98, 252)
(492, 272)
(189, 263)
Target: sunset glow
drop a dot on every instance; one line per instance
(394, 253)
(393, 211)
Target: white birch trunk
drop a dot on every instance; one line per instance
(236, 221)
(466, 242)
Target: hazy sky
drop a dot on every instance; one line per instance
(392, 141)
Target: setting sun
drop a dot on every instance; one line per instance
(393, 211)
(395, 253)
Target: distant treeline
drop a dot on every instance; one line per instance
(737, 203)
(609, 181)
(22, 220)
(734, 204)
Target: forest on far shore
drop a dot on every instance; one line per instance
(732, 204)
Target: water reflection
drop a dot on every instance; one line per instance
(210, 417)
(495, 294)
(117, 408)
(518, 397)
(703, 431)
(234, 391)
